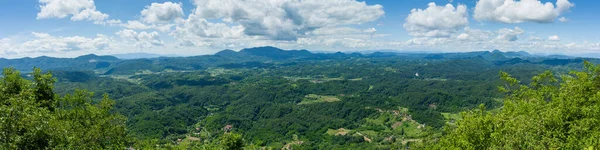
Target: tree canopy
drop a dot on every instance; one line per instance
(546, 114)
(33, 117)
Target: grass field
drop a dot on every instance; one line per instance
(314, 98)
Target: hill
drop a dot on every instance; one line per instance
(140, 55)
(294, 98)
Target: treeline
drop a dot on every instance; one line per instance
(263, 103)
(545, 114)
(33, 117)
(191, 109)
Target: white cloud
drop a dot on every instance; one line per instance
(162, 13)
(503, 39)
(44, 43)
(513, 11)
(462, 36)
(563, 19)
(554, 38)
(510, 34)
(195, 31)
(535, 38)
(286, 19)
(142, 39)
(295, 24)
(136, 25)
(436, 21)
(476, 35)
(5, 45)
(370, 30)
(112, 22)
(342, 38)
(563, 5)
(77, 9)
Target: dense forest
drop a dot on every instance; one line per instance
(271, 98)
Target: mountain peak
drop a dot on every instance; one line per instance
(97, 58)
(141, 55)
(261, 49)
(272, 52)
(88, 56)
(227, 53)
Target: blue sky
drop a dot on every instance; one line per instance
(68, 28)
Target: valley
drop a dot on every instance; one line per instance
(321, 101)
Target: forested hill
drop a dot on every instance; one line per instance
(255, 57)
(279, 98)
(85, 62)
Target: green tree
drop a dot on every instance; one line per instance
(232, 141)
(44, 85)
(33, 117)
(545, 114)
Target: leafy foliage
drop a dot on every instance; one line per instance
(32, 117)
(541, 115)
(273, 98)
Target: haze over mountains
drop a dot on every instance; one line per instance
(249, 57)
(141, 55)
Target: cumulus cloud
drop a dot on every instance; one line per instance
(476, 35)
(196, 31)
(284, 19)
(563, 19)
(77, 9)
(46, 43)
(436, 21)
(514, 11)
(142, 39)
(510, 34)
(297, 24)
(342, 38)
(136, 25)
(112, 22)
(462, 36)
(4, 46)
(504, 39)
(554, 38)
(535, 38)
(200, 27)
(162, 13)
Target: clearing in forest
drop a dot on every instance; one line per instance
(314, 98)
(340, 131)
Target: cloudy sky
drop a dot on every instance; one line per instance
(68, 28)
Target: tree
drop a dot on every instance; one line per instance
(44, 85)
(542, 115)
(33, 117)
(232, 141)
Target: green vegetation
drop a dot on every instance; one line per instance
(541, 115)
(32, 117)
(314, 98)
(299, 101)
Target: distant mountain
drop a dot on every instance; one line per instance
(85, 62)
(257, 57)
(383, 54)
(140, 55)
(227, 53)
(94, 57)
(513, 54)
(275, 53)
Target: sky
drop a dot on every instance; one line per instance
(69, 28)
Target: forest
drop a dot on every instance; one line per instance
(268, 98)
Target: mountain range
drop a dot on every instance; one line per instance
(250, 57)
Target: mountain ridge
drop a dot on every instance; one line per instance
(247, 57)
